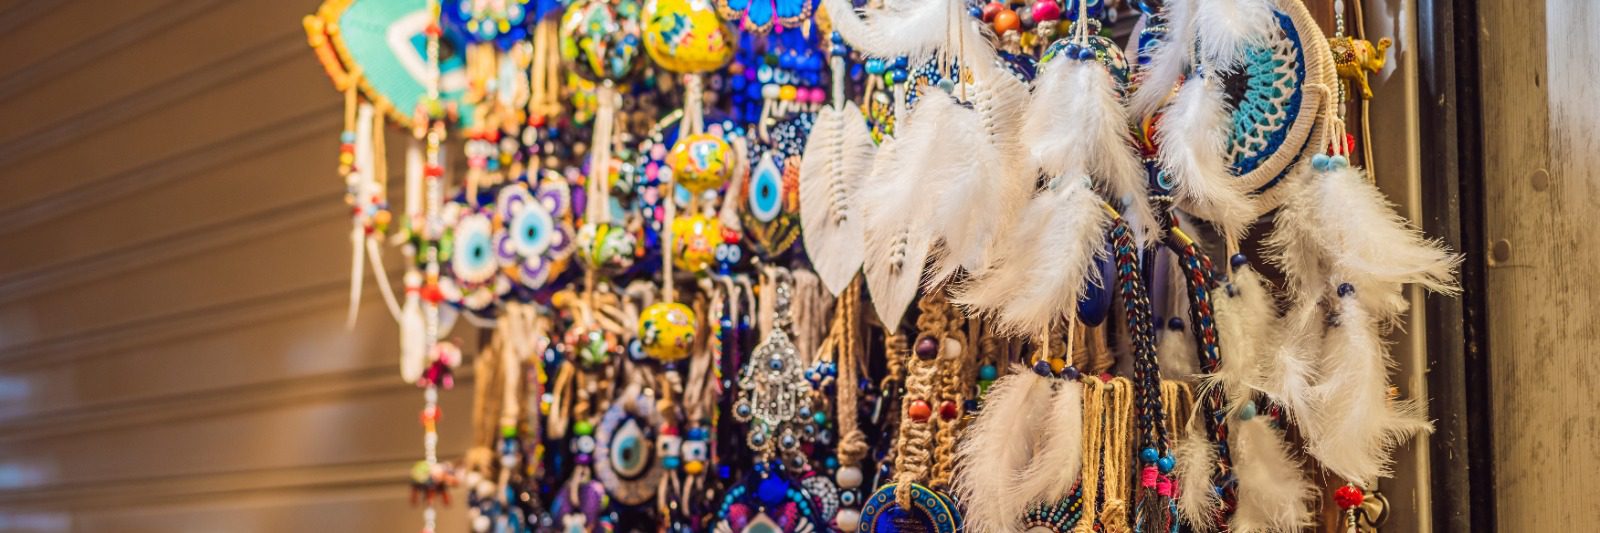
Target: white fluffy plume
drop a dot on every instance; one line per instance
(1227, 28)
(1290, 367)
(1246, 320)
(1012, 457)
(1273, 493)
(1076, 125)
(1177, 353)
(1042, 267)
(915, 29)
(1196, 462)
(1369, 244)
(983, 183)
(1172, 57)
(1193, 139)
(1353, 425)
(838, 157)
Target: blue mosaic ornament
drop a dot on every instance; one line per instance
(769, 503)
(930, 511)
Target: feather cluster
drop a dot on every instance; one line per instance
(901, 28)
(1169, 61)
(1013, 456)
(893, 210)
(1246, 321)
(1273, 494)
(1227, 28)
(1076, 125)
(838, 156)
(1041, 268)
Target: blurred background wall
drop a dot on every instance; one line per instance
(174, 264)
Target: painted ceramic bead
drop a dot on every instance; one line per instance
(686, 36)
(694, 242)
(666, 331)
(701, 162)
(606, 247)
(600, 39)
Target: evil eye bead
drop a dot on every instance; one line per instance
(666, 331)
(701, 162)
(765, 198)
(695, 450)
(472, 258)
(669, 446)
(532, 231)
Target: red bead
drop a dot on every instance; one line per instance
(1349, 142)
(430, 414)
(1046, 10)
(919, 411)
(1348, 497)
(948, 410)
(990, 10)
(433, 171)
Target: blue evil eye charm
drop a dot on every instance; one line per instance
(766, 190)
(628, 451)
(531, 231)
(472, 258)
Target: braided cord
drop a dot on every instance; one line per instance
(1198, 274)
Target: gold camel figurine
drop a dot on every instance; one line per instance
(1353, 58)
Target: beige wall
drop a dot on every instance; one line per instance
(1541, 69)
(173, 261)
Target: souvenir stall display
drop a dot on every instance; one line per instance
(937, 265)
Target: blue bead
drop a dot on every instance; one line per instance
(1247, 411)
(347, 137)
(1338, 161)
(1042, 368)
(772, 491)
(1071, 49)
(900, 76)
(698, 434)
(988, 372)
(670, 462)
(1346, 289)
(901, 62)
(874, 66)
(1238, 260)
(1320, 162)
(1165, 464)
(836, 38)
(1086, 54)
(1175, 324)
(975, 12)
(1070, 372)
(1149, 455)
(831, 462)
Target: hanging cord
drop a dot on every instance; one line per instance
(1093, 443)
(847, 346)
(1119, 453)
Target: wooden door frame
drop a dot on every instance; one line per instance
(1456, 331)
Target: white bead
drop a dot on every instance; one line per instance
(848, 520)
(481, 523)
(848, 477)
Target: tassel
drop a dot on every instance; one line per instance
(1041, 269)
(1353, 425)
(1075, 125)
(1193, 139)
(838, 156)
(1245, 319)
(1198, 504)
(1119, 453)
(1274, 494)
(999, 446)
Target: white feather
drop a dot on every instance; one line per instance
(1169, 61)
(1290, 369)
(1273, 493)
(979, 175)
(837, 158)
(1353, 425)
(996, 448)
(1076, 125)
(913, 29)
(1294, 246)
(1058, 453)
(1246, 320)
(1041, 268)
(1196, 462)
(894, 214)
(1227, 28)
(1193, 139)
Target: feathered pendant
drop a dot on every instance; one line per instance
(1227, 29)
(1076, 125)
(1354, 424)
(1024, 449)
(1246, 320)
(1042, 266)
(1192, 135)
(911, 29)
(837, 158)
(894, 239)
(980, 185)
(1335, 224)
(1273, 493)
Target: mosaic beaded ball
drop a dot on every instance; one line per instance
(694, 242)
(600, 39)
(666, 331)
(701, 162)
(686, 36)
(607, 248)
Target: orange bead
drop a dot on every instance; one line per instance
(1006, 21)
(919, 411)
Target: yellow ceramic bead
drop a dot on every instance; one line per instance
(786, 93)
(686, 36)
(694, 242)
(701, 162)
(666, 331)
